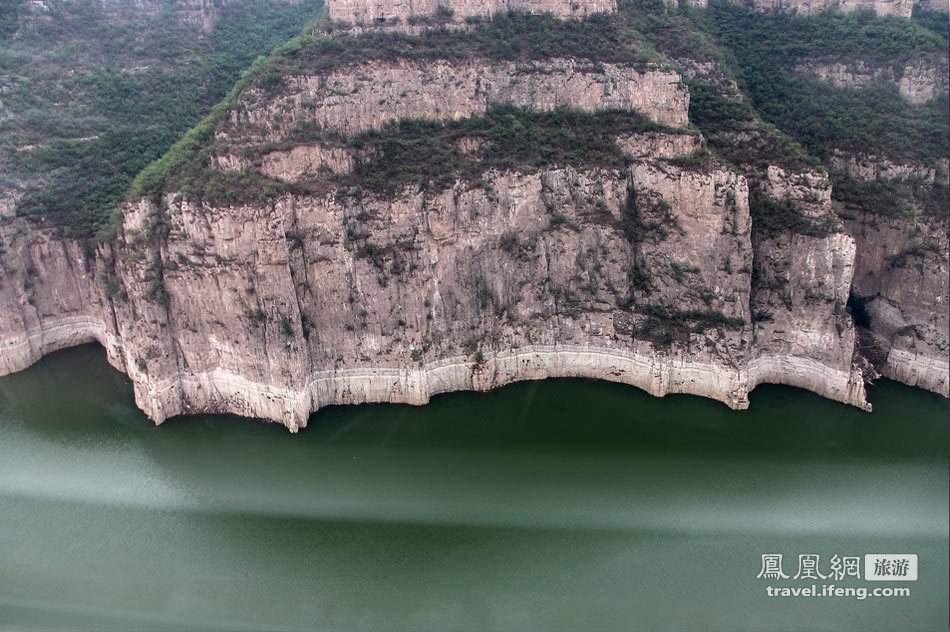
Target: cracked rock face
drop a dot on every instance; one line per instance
(651, 275)
(370, 95)
(361, 12)
(902, 269)
(273, 311)
(919, 81)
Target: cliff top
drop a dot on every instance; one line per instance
(396, 11)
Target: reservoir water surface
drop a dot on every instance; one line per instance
(554, 505)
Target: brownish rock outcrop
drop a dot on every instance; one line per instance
(273, 311)
(899, 8)
(651, 274)
(367, 96)
(361, 12)
(919, 81)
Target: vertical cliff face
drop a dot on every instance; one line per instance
(348, 299)
(902, 280)
(368, 96)
(391, 11)
(800, 287)
(52, 296)
(305, 254)
(901, 285)
(361, 12)
(919, 81)
(647, 276)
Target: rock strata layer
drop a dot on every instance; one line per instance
(278, 310)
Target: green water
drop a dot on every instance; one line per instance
(556, 505)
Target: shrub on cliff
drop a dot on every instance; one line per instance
(99, 98)
(427, 153)
(873, 119)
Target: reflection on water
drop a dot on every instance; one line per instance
(556, 505)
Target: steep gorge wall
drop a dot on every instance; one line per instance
(651, 275)
(278, 310)
(919, 81)
(52, 296)
(897, 8)
(389, 12)
(902, 273)
(368, 96)
(902, 270)
(362, 12)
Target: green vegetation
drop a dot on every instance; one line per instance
(873, 119)
(427, 153)
(780, 216)
(99, 98)
(9, 12)
(784, 38)
(893, 198)
(738, 136)
(185, 166)
(135, 95)
(641, 31)
(876, 196)
(511, 37)
(663, 325)
(423, 153)
(934, 21)
(708, 318)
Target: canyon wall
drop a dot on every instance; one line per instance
(898, 8)
(651, 274)
(276, 310)
(52, 296)
(904, 276)
(361, 12)
(398, 12)
(368, 96)
(919, 81)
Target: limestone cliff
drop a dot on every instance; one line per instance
(361, 12)
(295, 281)
(897, 8)
(399, 12)
(275, 310)
(919, 81)
(367, 96)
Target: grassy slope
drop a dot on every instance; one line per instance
(871, 120)
(423, 151)
(94, 98)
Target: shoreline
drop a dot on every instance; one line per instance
(220, 391)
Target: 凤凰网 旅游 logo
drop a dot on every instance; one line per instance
(848, 569)
(876, 567)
